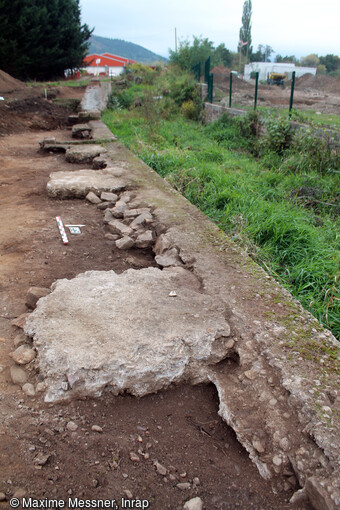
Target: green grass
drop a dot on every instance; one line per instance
(61, 83)
(259, 205)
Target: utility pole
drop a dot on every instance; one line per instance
(176, 40)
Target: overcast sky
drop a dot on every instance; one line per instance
(298, 27)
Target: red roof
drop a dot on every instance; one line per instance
(106, 59)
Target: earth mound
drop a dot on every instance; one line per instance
(8, 83)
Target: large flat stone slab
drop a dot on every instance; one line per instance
(83, 154)
(126, 332)
(79, 183)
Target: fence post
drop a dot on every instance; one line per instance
(230, 88)
(292, 94)
(197, 71)
(207, 70)
(256, 89)
(210, 87)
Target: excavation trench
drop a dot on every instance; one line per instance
(194, 317)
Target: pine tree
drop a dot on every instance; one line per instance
(245, 30)
(40, 40)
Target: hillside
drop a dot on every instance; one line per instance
(124, 49)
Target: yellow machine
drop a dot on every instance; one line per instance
(276, 79)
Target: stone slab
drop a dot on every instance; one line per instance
(141, 341)
(81, 154)
(79, 183)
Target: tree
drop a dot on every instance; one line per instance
(245, 30)
(311, 60)
(332, 63)
(262, 54)
(188, 54)
(288, 59)
(222, 56)
(40, 40)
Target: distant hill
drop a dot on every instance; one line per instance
(123, 49)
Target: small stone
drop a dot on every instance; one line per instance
(19, 340)
(71, 426)
(28, 389)
(193, 504)
(112, 237)
(133, 213)
(172, 477)
(96, 428)
(119, 209)
(160, 468)
(41, 459)
(125, 243)
(117, 227)
(162, 244)
(183, 475)
(145, 240)
(108, 216)
(2, 496)
(92, 197)
(196, 481)
(284, 444)
(258, 446)
(107, 196)
(272, 402)
(34, 294)
(20, 321)
(40, 387)
(277, 461)
(168, 258)
(18, 375)
(143, 219)
(128, 493)
(95, 483)
(250, 374)
(23, 355)
(134, 457)
(19, 493)
(183, 486)
(104, 205)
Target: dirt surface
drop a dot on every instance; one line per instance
(320, 93)
(34, 108)
(180, 428)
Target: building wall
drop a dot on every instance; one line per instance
(264, 68)
(111, 71)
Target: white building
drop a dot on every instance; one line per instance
(265, 68)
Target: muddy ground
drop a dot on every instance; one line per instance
(52, 451)
(319, 93)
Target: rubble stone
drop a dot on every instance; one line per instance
(34, 294)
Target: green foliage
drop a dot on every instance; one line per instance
(262, 207)
(40, 40)
(278, 135)
(190, 54)
(245, 30)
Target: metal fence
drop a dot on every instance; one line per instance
(209, 80)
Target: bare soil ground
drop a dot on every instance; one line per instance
(321, 93)
(179, 428)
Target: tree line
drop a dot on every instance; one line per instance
(40, 40)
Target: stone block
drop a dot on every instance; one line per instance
(93, 198)
(34, 294)
(145, 240)
(125, 243)
(140, 342)
(117, 227)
